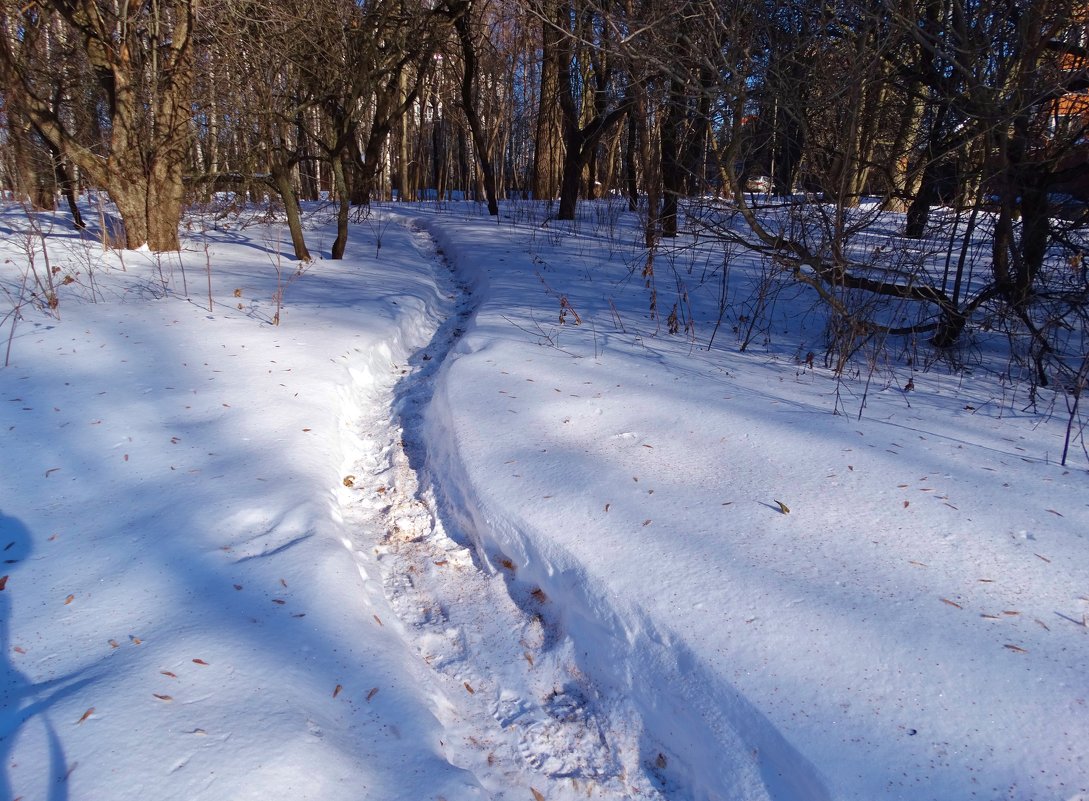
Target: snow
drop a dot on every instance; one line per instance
(423, 539)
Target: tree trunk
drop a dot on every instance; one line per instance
(281, 181)
(572, 177)
(549, 132)
(630, 163)
(343, 208)
(462, 24)
(672, 169)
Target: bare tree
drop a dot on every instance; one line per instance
(141, 56)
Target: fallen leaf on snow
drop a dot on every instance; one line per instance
(167, 698)
(373, 691)
(337, 689)
(199, 662)
(1015, 648)
(469, 688)
(86, 715)
(951, 603)
(69, 599)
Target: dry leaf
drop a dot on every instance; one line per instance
(469, 688)
(1042, 557)
(283, 583)
(69, 599)
(783, 507)
(349, 481)
(440, 563)
(199, 662)
(135, 640)
(168, 673)
(371, 693)
(646, 522)
(378, 620)
(163, 697)
(508, 564)
(1054, 512)
(539, 595)
(607, 506)
(86, 715)
(529, 658)
(951, 603)
(907, 504)
(19, 649)
(238, 586)
(3, 582)
(279, 601)
(537, 796)
(1015, 648)
(337, 689)
(114, 644)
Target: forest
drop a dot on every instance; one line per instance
(921, 165)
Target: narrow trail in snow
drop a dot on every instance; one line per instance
(517, 711)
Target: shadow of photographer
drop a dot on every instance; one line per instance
(24, 704)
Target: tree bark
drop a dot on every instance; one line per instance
(548, 140)
(462, 24)
(281, 181)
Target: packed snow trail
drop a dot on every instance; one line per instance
(541, 685)
(517, 712)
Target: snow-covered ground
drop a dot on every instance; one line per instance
(470, 524)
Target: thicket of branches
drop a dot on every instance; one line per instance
(955, 128)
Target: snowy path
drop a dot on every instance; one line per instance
(518, 712)
(541, 683)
